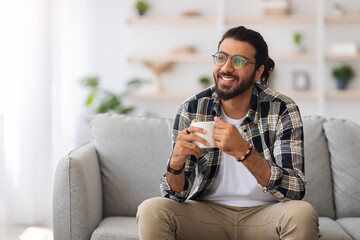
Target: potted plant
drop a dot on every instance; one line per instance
(141, 6)
(297, 37)
(338, 10)
(204, 81)
(100, 100)
(343, 74)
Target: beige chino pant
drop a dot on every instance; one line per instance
(166, 219)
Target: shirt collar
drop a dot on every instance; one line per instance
(251, 116)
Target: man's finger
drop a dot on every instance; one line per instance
(196, 129)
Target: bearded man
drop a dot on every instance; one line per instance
(250, 185)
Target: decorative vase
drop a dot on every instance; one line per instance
(341, 83)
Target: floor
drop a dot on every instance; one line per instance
(21, 232)
(24, 232)
(11, 233)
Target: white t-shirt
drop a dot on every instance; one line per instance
(234, 184)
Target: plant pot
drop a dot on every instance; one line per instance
(341, 83)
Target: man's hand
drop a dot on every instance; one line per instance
(185, 147)
(228, 139)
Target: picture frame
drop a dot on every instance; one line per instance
(300, 81)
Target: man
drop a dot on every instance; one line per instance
(249, 186)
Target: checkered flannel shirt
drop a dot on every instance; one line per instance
(273, 125)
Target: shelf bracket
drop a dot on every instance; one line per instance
(158, 70)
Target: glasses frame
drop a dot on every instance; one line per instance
(232, 63)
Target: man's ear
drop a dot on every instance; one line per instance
(259, 72)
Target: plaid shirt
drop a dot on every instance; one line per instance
(273, 125)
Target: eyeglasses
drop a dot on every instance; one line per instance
(237, 61)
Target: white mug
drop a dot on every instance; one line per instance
(208, 136)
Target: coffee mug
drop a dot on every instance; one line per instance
(208, 136)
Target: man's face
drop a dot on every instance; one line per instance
(231, 82)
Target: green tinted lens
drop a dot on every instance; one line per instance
(238, 62)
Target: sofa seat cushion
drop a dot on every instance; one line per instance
(351, 226)
(319, 188)
(331, 230)
(125, 228)
(116, 228)
(343, 139)
(133, 152)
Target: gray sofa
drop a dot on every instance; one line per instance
(99, 185)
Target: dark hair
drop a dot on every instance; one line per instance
(257, 41)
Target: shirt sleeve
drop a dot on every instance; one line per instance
(287, 180)
(182, 121)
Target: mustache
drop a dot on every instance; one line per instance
(226, 74)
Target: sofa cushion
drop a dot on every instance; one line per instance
(331, 230)
(351, 226)
(319, 190)
(116, 228)
(133, 153)
(343, 138)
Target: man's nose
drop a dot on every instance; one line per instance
(228, 67)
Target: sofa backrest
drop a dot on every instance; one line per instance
(133, 153)
(319, 187)
(343, 138)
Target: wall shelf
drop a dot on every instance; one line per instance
(342, 58)
(304, 95)
(228, 20)
(166, 95)
(272, 19)
(306, 56)
(173, 20)
(172, 58)
(309, 94)
(343, 19)
(343, 94)
(202, 57)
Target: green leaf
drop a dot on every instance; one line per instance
(127, 110)
(91, 82)
(90, 98)
(107, 101)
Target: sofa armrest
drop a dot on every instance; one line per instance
(77, 197)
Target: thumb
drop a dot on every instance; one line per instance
(218, 120)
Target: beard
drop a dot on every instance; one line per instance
(225, 93)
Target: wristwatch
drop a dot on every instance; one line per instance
(173, 171)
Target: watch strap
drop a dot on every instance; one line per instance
(173, 171)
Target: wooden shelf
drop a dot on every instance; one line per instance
(162, 96)
(207, 57)
(307, 56)
(173, 20)
(309, 94)
(297, 94)
(342, 58)
(272, 19)
(229, 20)
(343, 94)
(343, 19)
(172, 58)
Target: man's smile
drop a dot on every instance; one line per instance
(226, 79)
